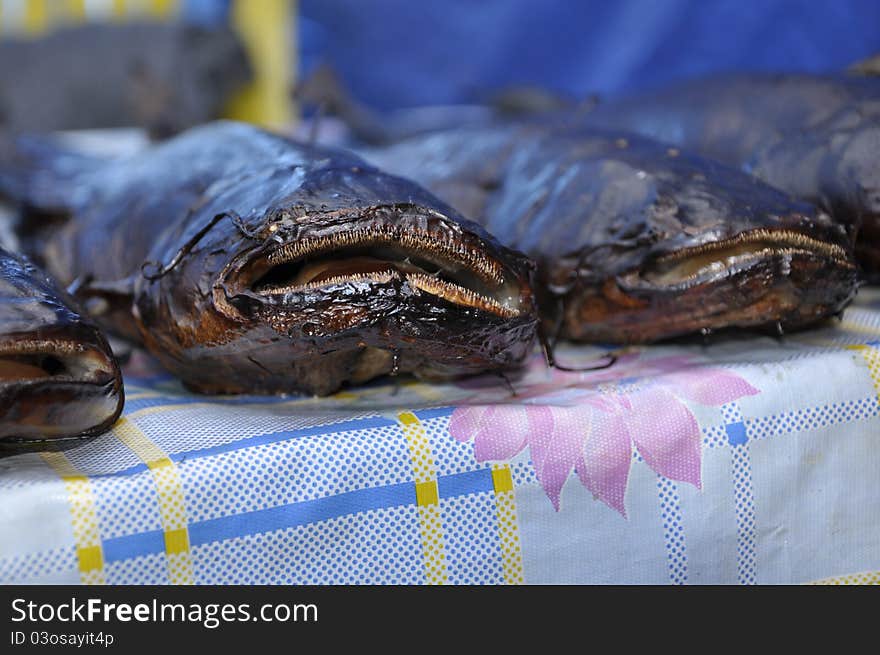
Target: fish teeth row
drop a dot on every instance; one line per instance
(447, 290)
(773, 237)
(487, 268)
(459, 295)
(382, 277)
(39, 346)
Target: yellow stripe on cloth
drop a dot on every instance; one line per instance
(872, 358)
(172, 507)
(508, 526)
(84, 517)
(427, 498)
(868, 578)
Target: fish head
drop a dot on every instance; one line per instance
(346, 274)
(707, 251)
(59, 381)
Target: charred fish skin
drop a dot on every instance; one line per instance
(729, 116)
(260, 265)
(822, 125)
(336, 295)
(834, 164)
(59, 381)
(637, 241)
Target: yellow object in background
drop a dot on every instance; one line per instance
(75, 10)
(267, 28)
(157, 9)
(36, 16)
(162, 8)
(119, 9)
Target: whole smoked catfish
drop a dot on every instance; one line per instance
(637, 241)
(59, 381)
(249, 263)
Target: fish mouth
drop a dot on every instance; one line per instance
(716, 261)
(51, 390)
(456, 272)
(760, 279)
(351, 301)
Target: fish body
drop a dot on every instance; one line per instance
(165, 76)
(635, 240)
(59, 381)
(249, 263)
(814, 136)
(325, 94)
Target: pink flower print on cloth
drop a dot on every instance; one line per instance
(590, 423)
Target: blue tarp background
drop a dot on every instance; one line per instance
(397, 53)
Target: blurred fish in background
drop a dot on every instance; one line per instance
(162, 65)
(161, 76)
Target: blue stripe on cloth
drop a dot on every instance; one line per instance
(294, 514)
(327, 429)
(736, 433)
(673, 530)
(738, 436)
(310, 511)
(131, 470)
(744, 497)
(262, 439)
(434, 412)
(133, 545)
(461, 484)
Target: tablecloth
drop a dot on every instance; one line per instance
(743, 459)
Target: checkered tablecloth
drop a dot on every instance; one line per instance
(745, 460)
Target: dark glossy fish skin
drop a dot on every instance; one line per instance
(164, 76)
(835, 164)
(59, 381)
(825, 126)
(598, 210)
(237, 195)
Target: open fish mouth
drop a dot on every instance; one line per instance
(719, 260)
(34, 360)
(778, 279)
(456, 272)
(51, 389)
